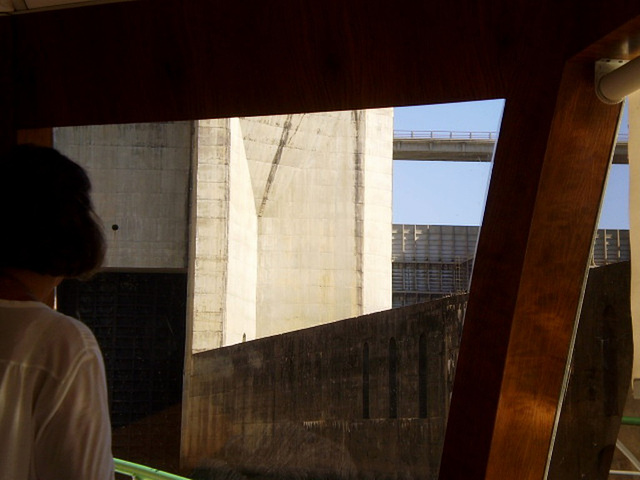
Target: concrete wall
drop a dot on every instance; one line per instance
(322, 185)
(222, 273)
(318, 403)
(299, 404)
(377, 202)
(588, 427)
(282, 222)
(242, 274)
(140, 175)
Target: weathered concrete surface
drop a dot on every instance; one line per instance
(322, 187)
(282, 222)
(140, 175)
(291, 227)
(596, 394)
(223, 239)
(376, 201)
(258, 406)
(260, 409)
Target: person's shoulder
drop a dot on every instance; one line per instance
(60, 341)
(69, 330)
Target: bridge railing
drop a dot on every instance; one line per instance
(444, 135)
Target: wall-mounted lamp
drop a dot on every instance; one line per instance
(616, 79)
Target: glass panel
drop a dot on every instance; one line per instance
(285, 258)
(283, 229)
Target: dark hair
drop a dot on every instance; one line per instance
(49, 225)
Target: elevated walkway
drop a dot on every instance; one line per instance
(462, 146)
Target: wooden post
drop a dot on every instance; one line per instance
(549, 173)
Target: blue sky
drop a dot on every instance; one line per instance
(453, 193)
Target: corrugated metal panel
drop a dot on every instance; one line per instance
(434, 243)
(610, 246)
(432, 261)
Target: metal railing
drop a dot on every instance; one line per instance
(140, 472)
(444, 135)
(630, 421)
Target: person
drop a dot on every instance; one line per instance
(54, 417)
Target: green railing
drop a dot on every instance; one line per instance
(631, 421)
(140, 472)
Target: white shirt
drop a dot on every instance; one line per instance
(54, 414)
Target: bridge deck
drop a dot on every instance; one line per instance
(465, 149)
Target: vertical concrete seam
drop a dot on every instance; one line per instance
(191, 241)
(227, 200)
(358, 118)
(191, 194)
(190, 263)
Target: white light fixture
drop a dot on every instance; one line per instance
(616, 79)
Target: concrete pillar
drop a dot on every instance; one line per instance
(377, 209)
(222, 259)
(322, 184)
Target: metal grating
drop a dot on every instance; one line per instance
(139, 322)
(610, 246)
(432, 261)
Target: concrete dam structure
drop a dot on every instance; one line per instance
(368, 397)
(280, 222)
(272, 231)
(224, 231)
